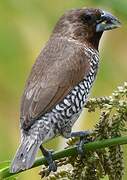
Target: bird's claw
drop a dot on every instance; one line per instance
(51, 164)
(80, 147)
(52, 167)
(81, 133)
(80, 144)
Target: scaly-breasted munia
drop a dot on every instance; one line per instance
(60, 82)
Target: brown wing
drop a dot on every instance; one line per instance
(60, 66)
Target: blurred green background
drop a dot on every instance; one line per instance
(25, 26)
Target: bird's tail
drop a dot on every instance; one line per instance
(25, 155)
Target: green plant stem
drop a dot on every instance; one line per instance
(72, 151)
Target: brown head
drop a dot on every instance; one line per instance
(85, 25)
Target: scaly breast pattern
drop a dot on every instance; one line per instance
(63, 116)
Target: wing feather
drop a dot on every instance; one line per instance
(61, 65)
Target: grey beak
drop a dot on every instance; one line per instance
(107, 22)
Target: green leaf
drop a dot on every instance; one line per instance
(12, 178)
(4, 165)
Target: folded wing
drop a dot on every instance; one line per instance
(61, 65)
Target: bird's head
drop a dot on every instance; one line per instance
(86, 25)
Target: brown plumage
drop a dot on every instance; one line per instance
(60, 81)
(60, 66)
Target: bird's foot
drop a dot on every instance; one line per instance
(81, 133)
(83, 140)
(51, 164)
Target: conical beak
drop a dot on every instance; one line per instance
(107, 22)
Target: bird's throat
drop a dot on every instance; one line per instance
(94, 41)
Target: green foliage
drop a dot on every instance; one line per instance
(3, 167)
(4, 164)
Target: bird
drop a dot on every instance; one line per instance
(60, 82)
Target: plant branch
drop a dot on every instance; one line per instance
(72, 151)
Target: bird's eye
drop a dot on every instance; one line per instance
(87, 18)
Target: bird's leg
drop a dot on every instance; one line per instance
(48, 156)
(81, 135)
